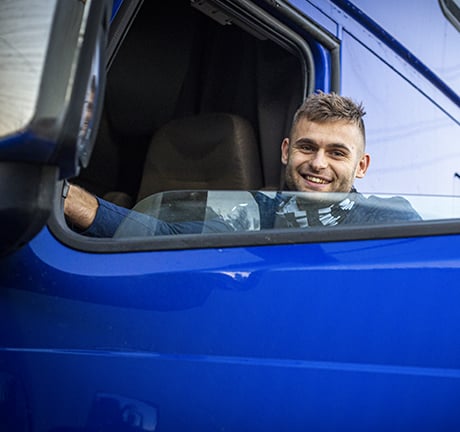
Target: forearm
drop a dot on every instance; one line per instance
(80, 207)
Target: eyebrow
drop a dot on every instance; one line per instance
(342, 146)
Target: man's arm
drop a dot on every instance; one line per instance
(80, 208)
(90, 215)
(95, 217)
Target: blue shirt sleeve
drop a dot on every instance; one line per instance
(109, 217)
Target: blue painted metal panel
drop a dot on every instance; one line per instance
(116, 7)
(397, 47)
(323, 67)
(301, 336)
(423, 29)
(320, 12)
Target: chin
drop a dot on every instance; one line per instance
(325, 189)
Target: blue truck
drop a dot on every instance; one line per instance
(347, 328)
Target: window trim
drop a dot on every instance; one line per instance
(271, 237)
(253, 19)
(305, 23)
(451, 11)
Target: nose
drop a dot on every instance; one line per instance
(318, 161)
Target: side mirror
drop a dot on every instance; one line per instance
(51, 90)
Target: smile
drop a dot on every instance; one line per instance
(316, 180)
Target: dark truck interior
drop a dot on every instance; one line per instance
(192, 104)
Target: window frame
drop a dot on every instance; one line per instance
(271, 237)
(257, 17)
(451, 11)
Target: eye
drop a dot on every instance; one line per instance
(338, 154)
(306, 148)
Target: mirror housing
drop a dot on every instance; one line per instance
(51, 92)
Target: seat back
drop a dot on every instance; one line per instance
(203, 152)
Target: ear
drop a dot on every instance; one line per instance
(363, 165)
(285, 151)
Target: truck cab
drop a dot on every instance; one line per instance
(177, 110)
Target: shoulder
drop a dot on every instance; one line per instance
(378, 209)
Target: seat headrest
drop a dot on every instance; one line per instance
(205, 152)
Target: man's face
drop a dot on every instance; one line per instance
(324, 157)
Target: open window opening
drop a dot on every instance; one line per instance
(199, 97)
(177, 62)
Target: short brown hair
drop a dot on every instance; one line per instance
(324, 107)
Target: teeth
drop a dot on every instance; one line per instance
(316, 180)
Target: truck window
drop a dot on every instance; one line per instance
(185, 65)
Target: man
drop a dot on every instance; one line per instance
(324, 153)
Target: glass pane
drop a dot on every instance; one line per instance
(202, 212)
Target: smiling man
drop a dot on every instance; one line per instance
(326, 148)
(323, 155)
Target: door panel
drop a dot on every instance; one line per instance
(305, 335)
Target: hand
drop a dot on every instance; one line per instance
(80, 207)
